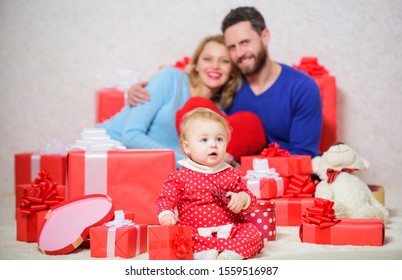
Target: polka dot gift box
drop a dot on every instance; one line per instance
(264, 218)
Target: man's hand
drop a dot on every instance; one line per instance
(137, 94)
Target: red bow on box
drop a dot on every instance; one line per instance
(182, 244)
(274, 151)
(301, 186)
(44, 195)
(321, 214)
(310, 66)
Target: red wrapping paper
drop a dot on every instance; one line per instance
(132, 178)
(170, 242)
(327, 85)
(361, 232)
(289, 211)
(25, 172)
(285, 166)
(266, 188)
(263, 217)
(109, 101)
(28, 226)
(129, 241)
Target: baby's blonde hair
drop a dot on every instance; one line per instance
(202, 113)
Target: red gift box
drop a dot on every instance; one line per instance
(327, 85)
(363, 232)
(28, 165)
(266, 188)
(263, 217)
(170, 242)
(289, 211)
(109, 101)
(132, 178)
(125, 242)
(285, 165)
(28, 225)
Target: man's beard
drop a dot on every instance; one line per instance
(259, 63)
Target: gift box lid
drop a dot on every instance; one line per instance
(265, 205)
(67, 224)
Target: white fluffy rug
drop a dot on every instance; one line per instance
(286, 247)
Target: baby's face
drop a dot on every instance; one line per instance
(207, 142)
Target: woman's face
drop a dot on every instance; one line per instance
(214, 66)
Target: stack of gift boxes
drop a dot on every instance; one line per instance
(94, 169)
(130, 178)
(51, 190)
(285, 180)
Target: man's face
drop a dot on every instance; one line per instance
(247, 49)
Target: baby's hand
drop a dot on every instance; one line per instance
(167, 220)
(237, 201)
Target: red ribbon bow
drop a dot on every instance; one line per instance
(182, 64)
(220, 195)
(273, 150)
(321, 214)
(44, 195)
(182, 244)
(332, 173)
(301, 186)
(310, 66)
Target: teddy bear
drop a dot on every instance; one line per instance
(338, 169)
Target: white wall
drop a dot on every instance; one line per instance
(55, 54)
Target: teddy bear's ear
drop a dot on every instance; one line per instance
(315, 163)
(362, 164)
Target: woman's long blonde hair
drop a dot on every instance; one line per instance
(224, 97)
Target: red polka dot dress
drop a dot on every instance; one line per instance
(190, 190)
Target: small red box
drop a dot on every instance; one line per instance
(125, 242)
(266, 188)
(263, 217)
(361, 232)
(132, 178)
(109, 101)
(163, 242)
(28, 165)
(28, 225)
(284, 165)
(289, 211)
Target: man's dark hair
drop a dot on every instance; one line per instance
(240, 14)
